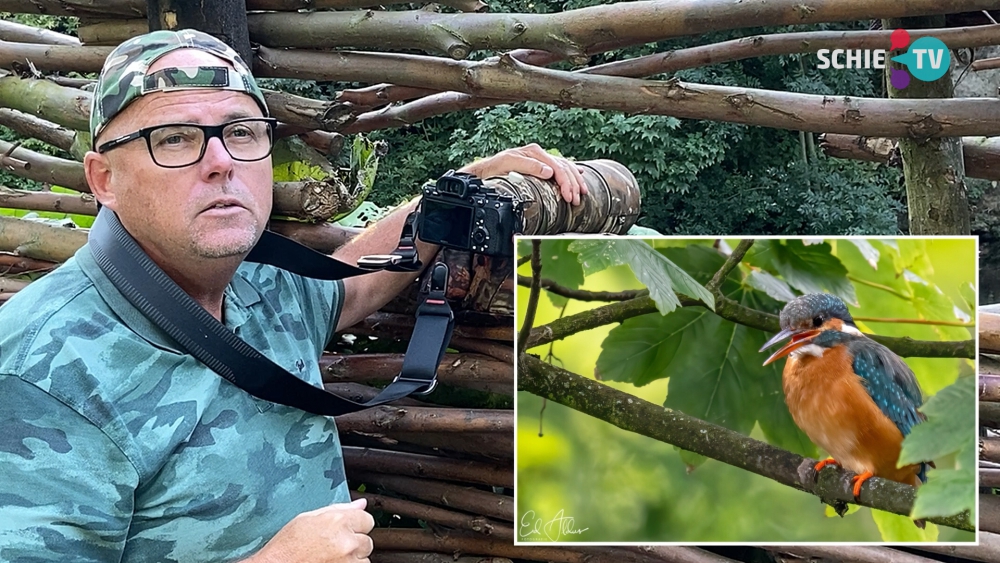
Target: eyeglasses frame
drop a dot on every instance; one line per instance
(209, 131)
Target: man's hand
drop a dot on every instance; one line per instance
(534, 161)
(333, 534)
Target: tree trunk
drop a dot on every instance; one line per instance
(981, 154)
(934, 168)
(225, 19)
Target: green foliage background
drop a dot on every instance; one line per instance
(625, 487)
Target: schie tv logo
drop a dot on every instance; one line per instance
(927, 59)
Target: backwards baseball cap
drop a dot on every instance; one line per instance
(124, 77)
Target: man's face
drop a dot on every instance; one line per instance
(215, 208)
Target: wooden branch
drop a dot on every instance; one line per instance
(806, 42)
(418, 557)
(852, 553)
(989, 449)
(381, 94)
(314, 201)
(137, 8)
(103, 8)
(502, 352)
(83, 204)
(468, 543)
(982, 155)
(47, 169)
(673, 427)
(478, 524)
(12, 264)
(989, 333)
(989, 414)
(111, 32)
(10, 285)
(571, 34)
(323, 237)
(426, 466)
(988, 550)
(32, 239)
(310, 114)
(468, 499)
(70, 107)
(31, 126)
(989, 388)
(583, 294)
(986, 64)
(509, 79)
(53, 57)
(328, 144)
(473, 371)
(491, 447)
(401, 326)
(13, 31)
(729, 310)
(295, 5)
(386, 419)
(57, 244)
(989, 513)
(678, 554)
(361, 393)
(989, 477)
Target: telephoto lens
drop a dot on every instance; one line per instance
(611, 204)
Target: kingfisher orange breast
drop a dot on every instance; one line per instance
(829, 402)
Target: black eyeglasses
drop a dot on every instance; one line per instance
(176, 145)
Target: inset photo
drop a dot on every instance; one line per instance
(694, 390)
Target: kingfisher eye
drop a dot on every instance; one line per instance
(818, 322)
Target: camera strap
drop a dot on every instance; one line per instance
(150, 290)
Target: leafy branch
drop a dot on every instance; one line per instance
(673, 427)
(731, 311)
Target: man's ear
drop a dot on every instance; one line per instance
(98, 172)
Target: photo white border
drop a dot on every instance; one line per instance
(581, 236)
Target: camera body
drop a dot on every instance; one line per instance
(459, 211)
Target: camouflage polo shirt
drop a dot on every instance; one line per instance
(116, 446)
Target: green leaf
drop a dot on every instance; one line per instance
(715, 369)
(650, 267)
(810, 269)
(950, 426)
(896, 528)
(968, 292)
(364, 215)
(774, 287)
(637, 230)
(560, 265)
(297, 171)
(947, 491)
(867, 250)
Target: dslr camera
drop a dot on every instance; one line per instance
(459, 211)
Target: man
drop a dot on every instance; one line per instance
(118, 446)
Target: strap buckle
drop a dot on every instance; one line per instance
(431, 385)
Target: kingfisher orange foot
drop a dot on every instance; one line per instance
(824, 463)
(859, 480)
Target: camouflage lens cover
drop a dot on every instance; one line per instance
(124, 77)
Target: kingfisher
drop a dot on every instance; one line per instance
(852, 396)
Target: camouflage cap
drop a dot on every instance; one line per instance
(124, 77)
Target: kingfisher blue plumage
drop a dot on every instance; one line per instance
(852, 396)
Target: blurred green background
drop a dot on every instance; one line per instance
(619, 486)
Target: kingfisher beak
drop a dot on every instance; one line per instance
(798, 339)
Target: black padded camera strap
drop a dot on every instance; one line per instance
(171, 309)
